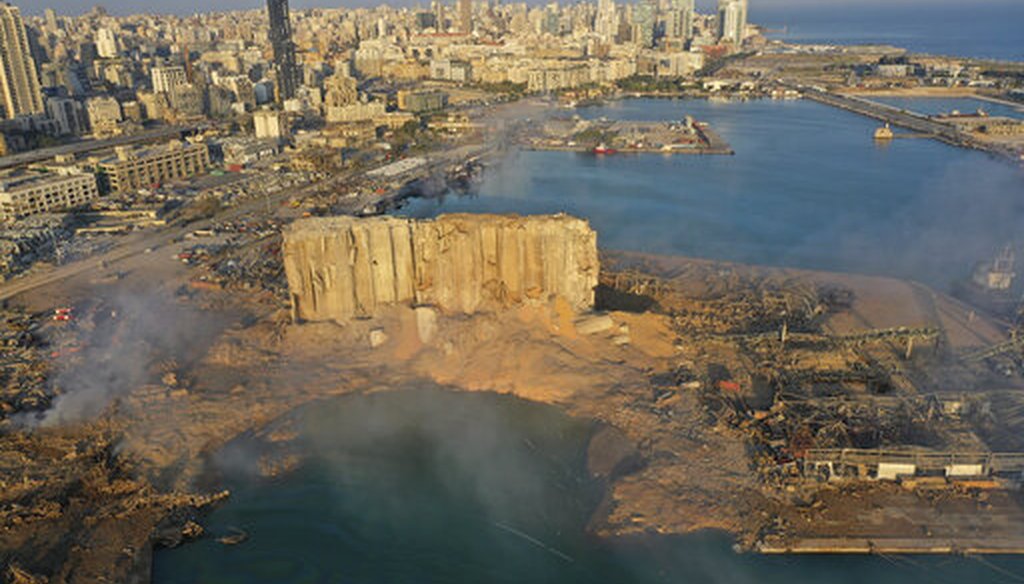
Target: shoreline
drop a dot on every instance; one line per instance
(260, 392)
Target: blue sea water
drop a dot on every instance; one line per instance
(977, 28)
(807, 188)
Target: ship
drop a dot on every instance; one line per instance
(884, 133)
(604, 149)
(991, 285)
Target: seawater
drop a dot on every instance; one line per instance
(808, 187)
(988, 29)
(429, 487)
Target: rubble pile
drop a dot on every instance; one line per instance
(23, 366)
(71, 508)
(30, 240)
(255, 266)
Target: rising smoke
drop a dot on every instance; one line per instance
(124, 341)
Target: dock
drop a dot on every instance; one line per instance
(687, 136)
(920, 125)
(891, 545)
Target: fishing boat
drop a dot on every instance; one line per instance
(604, 149)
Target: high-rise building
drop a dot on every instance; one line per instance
(465, 8)
(51, 19)
(679, 19)
(644, 19)
(284, 49)
(607, 22)
(438, 8)
(166, 79)
(106, 43)
(19, 81)
(732, 20)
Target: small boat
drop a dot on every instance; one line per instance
(603, 149)
(884, 133)
(236, 537)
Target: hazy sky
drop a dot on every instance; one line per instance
(191, 6)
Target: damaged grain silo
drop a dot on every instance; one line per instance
(344, 267)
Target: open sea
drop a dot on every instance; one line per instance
(975, 28)
(807, 188)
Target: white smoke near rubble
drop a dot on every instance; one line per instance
(120, 343)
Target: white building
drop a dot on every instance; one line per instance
(166, 79)
(732, 21)
(106, 43)
(270, 124)
(20, 94)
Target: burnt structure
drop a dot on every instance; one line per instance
(284, 49)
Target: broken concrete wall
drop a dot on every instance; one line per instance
(344, 267)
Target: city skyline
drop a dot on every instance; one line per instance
(188, 7)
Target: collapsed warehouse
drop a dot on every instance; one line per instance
(817, 405)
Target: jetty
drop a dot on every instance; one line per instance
(607, 137)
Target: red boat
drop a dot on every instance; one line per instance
(602, 149)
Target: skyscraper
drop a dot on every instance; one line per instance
(284, 49)
(644, 20)
(51, 19)
(732, 20)
(607, 22)
(465, 8)
(679, 19)
(19, 81)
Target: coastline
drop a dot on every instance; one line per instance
(247, 381)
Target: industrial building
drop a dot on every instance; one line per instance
(142, 167)
(27, 193)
